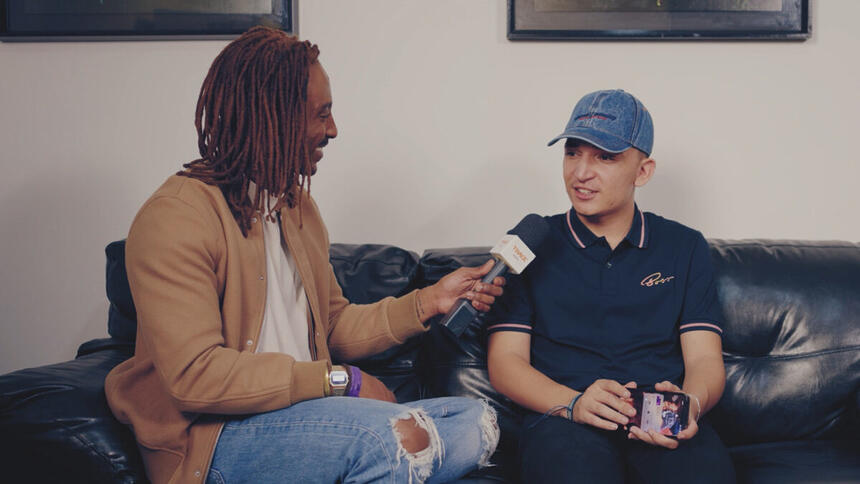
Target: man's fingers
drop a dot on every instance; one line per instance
(480, 301)
(600, 423)
(608, 413)
(663, 441)
(476, 272)
(614, 387)
(483, 298)
(666, 386)
(387, 394)
(599, 409)
(616, 401)
(639, 434)
(489, 289)
(481, 307)
(653, 438)
(689, 432)
(484, 295)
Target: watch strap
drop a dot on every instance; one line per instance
(354, 381)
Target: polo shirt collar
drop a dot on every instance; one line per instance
(583, 237)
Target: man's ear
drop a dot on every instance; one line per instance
(646, 170)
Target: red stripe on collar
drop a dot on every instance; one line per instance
(573, 232)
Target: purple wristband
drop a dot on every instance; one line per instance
(354, 382)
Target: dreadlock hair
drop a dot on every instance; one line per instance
(251, 124)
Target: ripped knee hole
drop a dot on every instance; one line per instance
(412, 437)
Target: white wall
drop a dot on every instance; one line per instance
(443, 125)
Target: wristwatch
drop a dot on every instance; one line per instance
(338, 380)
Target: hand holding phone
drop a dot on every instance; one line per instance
(666, 413)
(604, 405)
(688, 426)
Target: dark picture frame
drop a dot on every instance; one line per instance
(658, 19)
(63, 20)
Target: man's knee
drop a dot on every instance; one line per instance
(412, 437)
(418, 441)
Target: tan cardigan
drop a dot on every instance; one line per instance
(199, 288)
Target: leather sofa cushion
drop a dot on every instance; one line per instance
(368, 273)
(792, 340)
(55, 424)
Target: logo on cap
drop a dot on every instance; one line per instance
(596, 116)
(611, 120)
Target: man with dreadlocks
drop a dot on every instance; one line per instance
(240, 315)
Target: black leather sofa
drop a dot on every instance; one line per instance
(791, 347)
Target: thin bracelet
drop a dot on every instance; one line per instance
(570, 406)
(698, 406)
(419, 306)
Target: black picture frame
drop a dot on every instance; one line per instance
(658, 20)
(64, 20)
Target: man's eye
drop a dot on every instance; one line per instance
(607, 157)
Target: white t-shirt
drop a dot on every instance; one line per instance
(285, 322)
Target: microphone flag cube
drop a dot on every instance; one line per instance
(513, 252)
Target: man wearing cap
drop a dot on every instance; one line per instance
(616, 298)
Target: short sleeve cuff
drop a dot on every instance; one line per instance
(711, 326)
(518, 327)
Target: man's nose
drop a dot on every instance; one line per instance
(331, 128)
(584, 169)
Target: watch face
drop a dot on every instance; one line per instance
(339, 378)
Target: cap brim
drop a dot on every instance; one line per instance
(599, 139)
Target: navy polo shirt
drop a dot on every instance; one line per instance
(594, 312)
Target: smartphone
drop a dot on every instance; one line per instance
(663, 412)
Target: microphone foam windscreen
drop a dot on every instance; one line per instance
(532, 229)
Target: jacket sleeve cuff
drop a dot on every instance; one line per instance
(308, 380)
(403, 317)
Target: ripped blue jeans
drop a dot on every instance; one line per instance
(354, 440)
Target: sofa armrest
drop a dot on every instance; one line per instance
(55, 424)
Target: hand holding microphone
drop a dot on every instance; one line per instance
(514, 253)
(467, 284)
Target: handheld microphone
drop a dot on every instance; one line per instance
(512, 253)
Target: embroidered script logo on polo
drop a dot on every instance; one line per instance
(655, 279)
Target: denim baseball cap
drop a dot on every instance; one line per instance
(612, 121)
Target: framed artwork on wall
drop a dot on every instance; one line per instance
(62, 20)
(658, 19)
